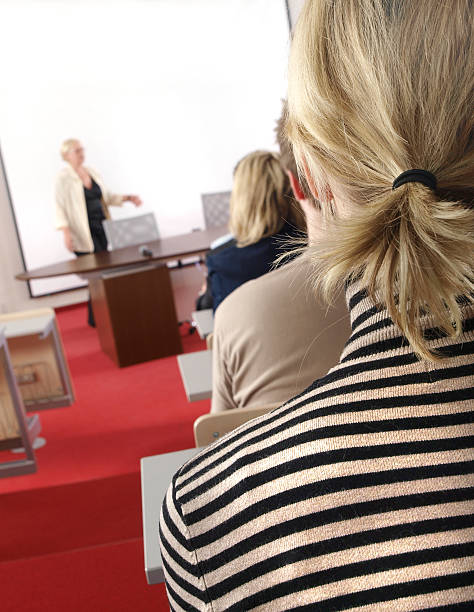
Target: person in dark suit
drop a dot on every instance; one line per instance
(264, 218)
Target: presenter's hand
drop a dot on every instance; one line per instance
(68, 240)
(134, 199)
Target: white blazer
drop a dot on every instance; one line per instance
(71, 208)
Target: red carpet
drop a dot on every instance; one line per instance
(71, 533)
(57, 519)
(120, 414)
(101, 579)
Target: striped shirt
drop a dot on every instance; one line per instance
(356, 494)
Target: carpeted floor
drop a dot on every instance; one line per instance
(99, 579)
(71, 533)
(66, 517)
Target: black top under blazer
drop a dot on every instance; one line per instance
(230, 266)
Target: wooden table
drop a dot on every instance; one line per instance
(156, 475)
(132, 296)
(163, 250)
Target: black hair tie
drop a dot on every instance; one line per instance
(415, 176)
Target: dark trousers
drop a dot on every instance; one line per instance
(100, 244)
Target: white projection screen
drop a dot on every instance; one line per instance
(165, 95)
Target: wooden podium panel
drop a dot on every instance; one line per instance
(135, 314)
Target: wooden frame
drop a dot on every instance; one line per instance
(16, 429)
(38, 359)
(210, 427)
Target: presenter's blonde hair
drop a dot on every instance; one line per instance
(376, 88)
(262, 199)
(67, 145)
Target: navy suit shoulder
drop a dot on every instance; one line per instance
(230, 266)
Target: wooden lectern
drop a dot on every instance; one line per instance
(135, 314)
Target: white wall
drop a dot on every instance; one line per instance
(295, 7)
(14, 294)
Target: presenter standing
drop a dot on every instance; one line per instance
(82, 202)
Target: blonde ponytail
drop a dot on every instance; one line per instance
(412, 252)
(377, 88)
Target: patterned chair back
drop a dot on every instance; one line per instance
(216, 208)
(131, 231)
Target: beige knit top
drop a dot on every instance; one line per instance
(272, 338)
(355, 495)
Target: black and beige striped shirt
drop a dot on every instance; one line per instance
(357, 494)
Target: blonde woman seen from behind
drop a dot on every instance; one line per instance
(262, 201)
(263, 217)
(357, 493)
(413, 244)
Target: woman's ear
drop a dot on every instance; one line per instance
(328, 196)
(296, 186)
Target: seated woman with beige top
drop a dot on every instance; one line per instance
(272, 336)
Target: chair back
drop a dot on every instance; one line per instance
(131, 231)
(216, 208)
(210, 427)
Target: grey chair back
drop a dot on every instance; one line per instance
(131, 231)
(216, 208)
